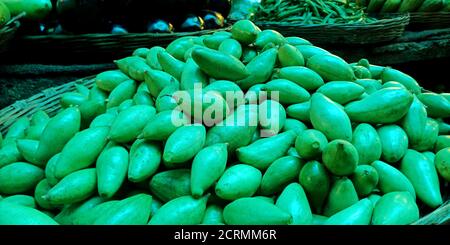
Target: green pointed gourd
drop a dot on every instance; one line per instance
(103, 120)
(14, 214)
(341, 92)
(89, 216)
(75, 187)
(112, 166)
(41, 189)
(171, 184)
(340, 157)
(97, 94)
(329, 118)
(122, 92)
(232, 47)
(145, 158)
(22, 200)
(394, 143)
(255, 95)
(38, 122)
(214, 41)
(331, 67)
(19, 177)
(236, 130)
(134, 210)
(315, 179)
(374, 198)
(266, 37)
(178, 47)
(213, 215)
(318, 219)
(71, 213)
(423, 176)
(81, 151)
(303, 76)
(444, 128)
(89, 110)
(442, 141)
(395, 208)
(415, 121)
(390, 74)
(209, 59)
(260, 69)
(212, 160)
(143, 98)
(289, 55)
(27, 149)
(309, 50)
(165, 100)
(365, 179)
(437, 105)
(183, 144)
(263, 152)
(254, 211)
(163, 124)
(206, 107)
(429, 155)
(300, 111)
(184, 210)
(297, 41)
(272, 116)
(156, 205)
(293, 124)
(310, 144)
(429, 136)
(108, 80)
(157, 80)
(442, 162)
(367, 143)
(359, 213)
(59, 130)
(391, 179)
(50, 170)
(238, 181)
(370, 85)
(170, 64)
(342, 195)
(287, 92)
(281, 172)
(386, 105)
(230, 91)
(125, 105)
(192, 75)
(18, 129)
(293, 200)
(123, 131)
(244, 31)
(9, 153)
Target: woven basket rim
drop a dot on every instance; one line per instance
(123, 35)
(396, 18)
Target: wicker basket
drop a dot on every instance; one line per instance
(48, 101)
(107, 45)
(7, 33)
(383, 30)
(433, 20)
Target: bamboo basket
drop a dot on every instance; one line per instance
(48, 101)
(432, 20)
(99, 44)
(383, 30)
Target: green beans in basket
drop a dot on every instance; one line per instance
(312, 11)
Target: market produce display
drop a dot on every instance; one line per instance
(307, 138)
(312, 11)
(122, 16)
